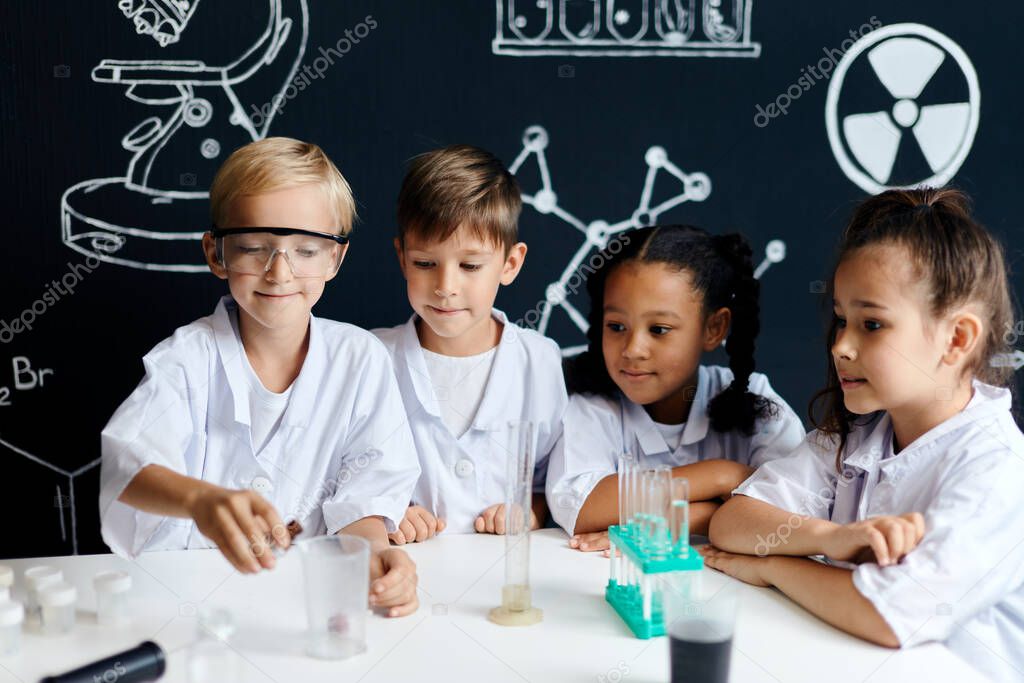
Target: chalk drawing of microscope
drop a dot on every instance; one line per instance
(152, 217)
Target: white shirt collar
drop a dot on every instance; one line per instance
(987, 401)
(230, 350)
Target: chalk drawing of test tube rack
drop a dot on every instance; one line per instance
(624, 28)
(147, 219)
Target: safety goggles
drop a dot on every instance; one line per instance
(251, 251)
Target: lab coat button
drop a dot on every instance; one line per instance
(464, 467)
(261, 485)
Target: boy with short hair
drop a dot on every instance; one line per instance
(463, 369)
(262, 410)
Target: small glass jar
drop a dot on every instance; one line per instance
(6, 576)
(12, 614)
(57, 603)
(36, 578)
(211, 659)
(112, 590)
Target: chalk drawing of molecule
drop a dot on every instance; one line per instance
(695, 187)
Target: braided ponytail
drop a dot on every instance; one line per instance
(735, 407)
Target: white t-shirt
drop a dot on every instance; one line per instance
(459, 382)
(265, 407)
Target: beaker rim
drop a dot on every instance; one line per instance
(349, 543)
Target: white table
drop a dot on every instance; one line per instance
(450, 638)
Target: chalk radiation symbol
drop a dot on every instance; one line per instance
(902, 108)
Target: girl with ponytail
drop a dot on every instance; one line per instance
(661, 298)
(910, 486)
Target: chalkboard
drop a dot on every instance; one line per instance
(768, 118)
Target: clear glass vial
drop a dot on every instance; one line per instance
(57, 608)
(112, 590)
(12, 614)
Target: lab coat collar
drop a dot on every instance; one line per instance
(492, 408)
(230, 350)
(987, 402)
(509, 362)
(416, 367)
(650, 438)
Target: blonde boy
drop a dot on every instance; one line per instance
(260, 412)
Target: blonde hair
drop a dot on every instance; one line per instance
(275, 164)
(456, 186)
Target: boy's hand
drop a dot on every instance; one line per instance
(492, 520)
(884, 540)
(393, 582)
(418, 525)
(241, 524)
(591, 542)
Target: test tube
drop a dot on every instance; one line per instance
(679, 521)
(516, 602)
(661, 491)
(624, 467)
(627, 462)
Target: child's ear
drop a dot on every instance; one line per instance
(210, 251)
(513, 263)
(401, 256)
(965, 333)
(341, 259)
(716, 329)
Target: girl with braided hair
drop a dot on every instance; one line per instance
(662, 297)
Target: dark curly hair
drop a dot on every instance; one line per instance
(722, 271)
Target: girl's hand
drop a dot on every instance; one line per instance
(591, 542)
(746, 568)
(393, 582)
(884, 540)
(418, 525)
(492, 520)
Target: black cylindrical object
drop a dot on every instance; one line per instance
(144, 662)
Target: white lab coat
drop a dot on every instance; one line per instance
(463, 476)
(341, 452)
(964, 583)
(597, 430)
